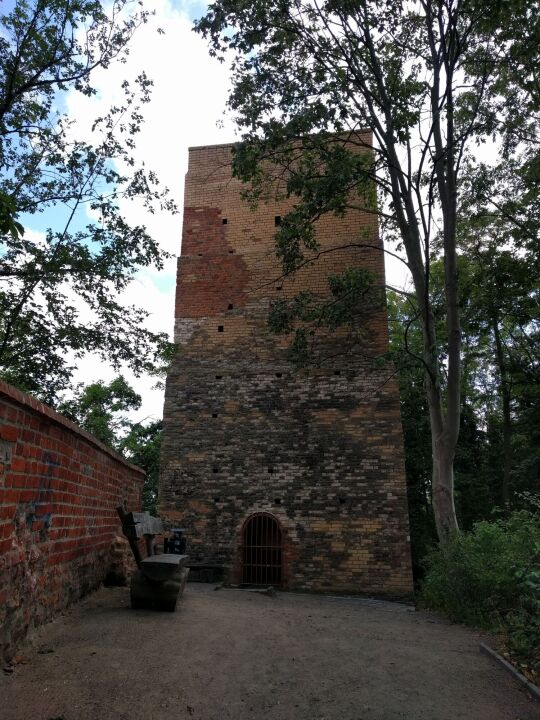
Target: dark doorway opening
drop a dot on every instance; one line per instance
(261, 551)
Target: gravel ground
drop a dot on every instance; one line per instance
(239, 655)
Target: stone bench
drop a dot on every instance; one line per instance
(160, 578)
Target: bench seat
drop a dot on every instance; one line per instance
(162, 567)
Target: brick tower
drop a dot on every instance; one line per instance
(282, 477)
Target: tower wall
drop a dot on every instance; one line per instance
(321, 449)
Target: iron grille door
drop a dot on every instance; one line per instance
(261, 551)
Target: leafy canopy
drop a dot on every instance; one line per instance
(60, 292)
(105, 410)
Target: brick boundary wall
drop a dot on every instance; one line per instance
(59, 488)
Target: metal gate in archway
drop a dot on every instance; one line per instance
(261, 551)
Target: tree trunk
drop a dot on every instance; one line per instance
(504, 385)
(444, 509)
(443, 447)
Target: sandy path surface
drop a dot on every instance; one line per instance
(238, 655)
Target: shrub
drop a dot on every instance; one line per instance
(490, 578)
(475, 577)
(522, 625)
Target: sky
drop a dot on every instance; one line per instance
(187, 108)
(188, 101)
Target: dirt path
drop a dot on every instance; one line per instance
(234, 655)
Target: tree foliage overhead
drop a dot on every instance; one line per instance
(59, 292)
(433, 81)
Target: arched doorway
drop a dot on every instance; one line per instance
(261, 551)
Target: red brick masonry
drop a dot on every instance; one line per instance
(59, 488)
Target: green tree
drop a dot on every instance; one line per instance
(504, 298)
(142, 446)
(103, 410)
(495, 421)
(404, 348)
(429, 80)
(59, 296)
(499, 237)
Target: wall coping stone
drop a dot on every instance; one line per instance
(211, 147)
(31, 403)
(360, 131)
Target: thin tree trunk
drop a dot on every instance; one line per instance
(444, 417)
(443, 448)
(504, 385)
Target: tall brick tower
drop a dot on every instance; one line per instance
(282, 477)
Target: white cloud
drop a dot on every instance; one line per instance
(188, 99)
